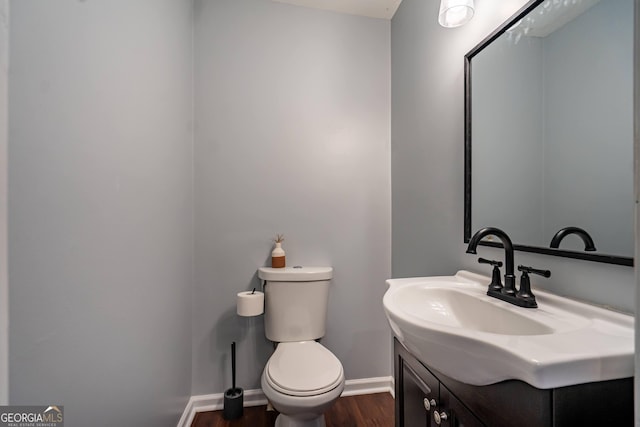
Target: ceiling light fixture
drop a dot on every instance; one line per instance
(454, 13)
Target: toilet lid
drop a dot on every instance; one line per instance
(303, 369)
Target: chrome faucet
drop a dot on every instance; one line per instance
(564, 232)
(509, 276)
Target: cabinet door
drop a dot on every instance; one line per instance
(456, 414)
(418, 396)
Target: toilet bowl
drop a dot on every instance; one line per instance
(302, 380)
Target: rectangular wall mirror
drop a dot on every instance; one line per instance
(549, 130)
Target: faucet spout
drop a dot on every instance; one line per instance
(509, 277)
(564, 232)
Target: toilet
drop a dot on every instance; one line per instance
(302, 378)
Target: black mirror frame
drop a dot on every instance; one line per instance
(588, 256)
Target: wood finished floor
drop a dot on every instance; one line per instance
(369, 410)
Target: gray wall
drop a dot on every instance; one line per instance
(100, 209)
(427, 133)
(427, 158)
(292, 119)
(4, 284)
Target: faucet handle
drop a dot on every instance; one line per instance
(543, 273)
(496, 282)
(524, 293)
(490, 262)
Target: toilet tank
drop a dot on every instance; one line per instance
(295, 302)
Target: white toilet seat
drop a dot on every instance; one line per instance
(303, 368)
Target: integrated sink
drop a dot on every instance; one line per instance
(457, 309)
(450, 324)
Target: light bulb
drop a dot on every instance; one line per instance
(454, 13)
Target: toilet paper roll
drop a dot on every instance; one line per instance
(250, 303)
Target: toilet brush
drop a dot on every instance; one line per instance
(233, 397)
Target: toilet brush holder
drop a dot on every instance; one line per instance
(233, 397)
(233, 403)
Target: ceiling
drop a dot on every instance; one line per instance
(383, 9)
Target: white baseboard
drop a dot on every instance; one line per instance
(214, 402)
(368, 386)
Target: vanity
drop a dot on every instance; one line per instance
(463, 358)
(426, 397)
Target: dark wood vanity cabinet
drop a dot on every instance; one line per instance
(419, 395)
(425, 396)
(419, 388)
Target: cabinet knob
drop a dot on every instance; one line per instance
(429, 403)
(439, 417)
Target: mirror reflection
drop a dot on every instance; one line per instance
(550, 132)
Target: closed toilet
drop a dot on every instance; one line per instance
(302, 378)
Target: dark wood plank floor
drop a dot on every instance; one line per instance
(369, 410)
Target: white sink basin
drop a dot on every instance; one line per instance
(453, 326)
